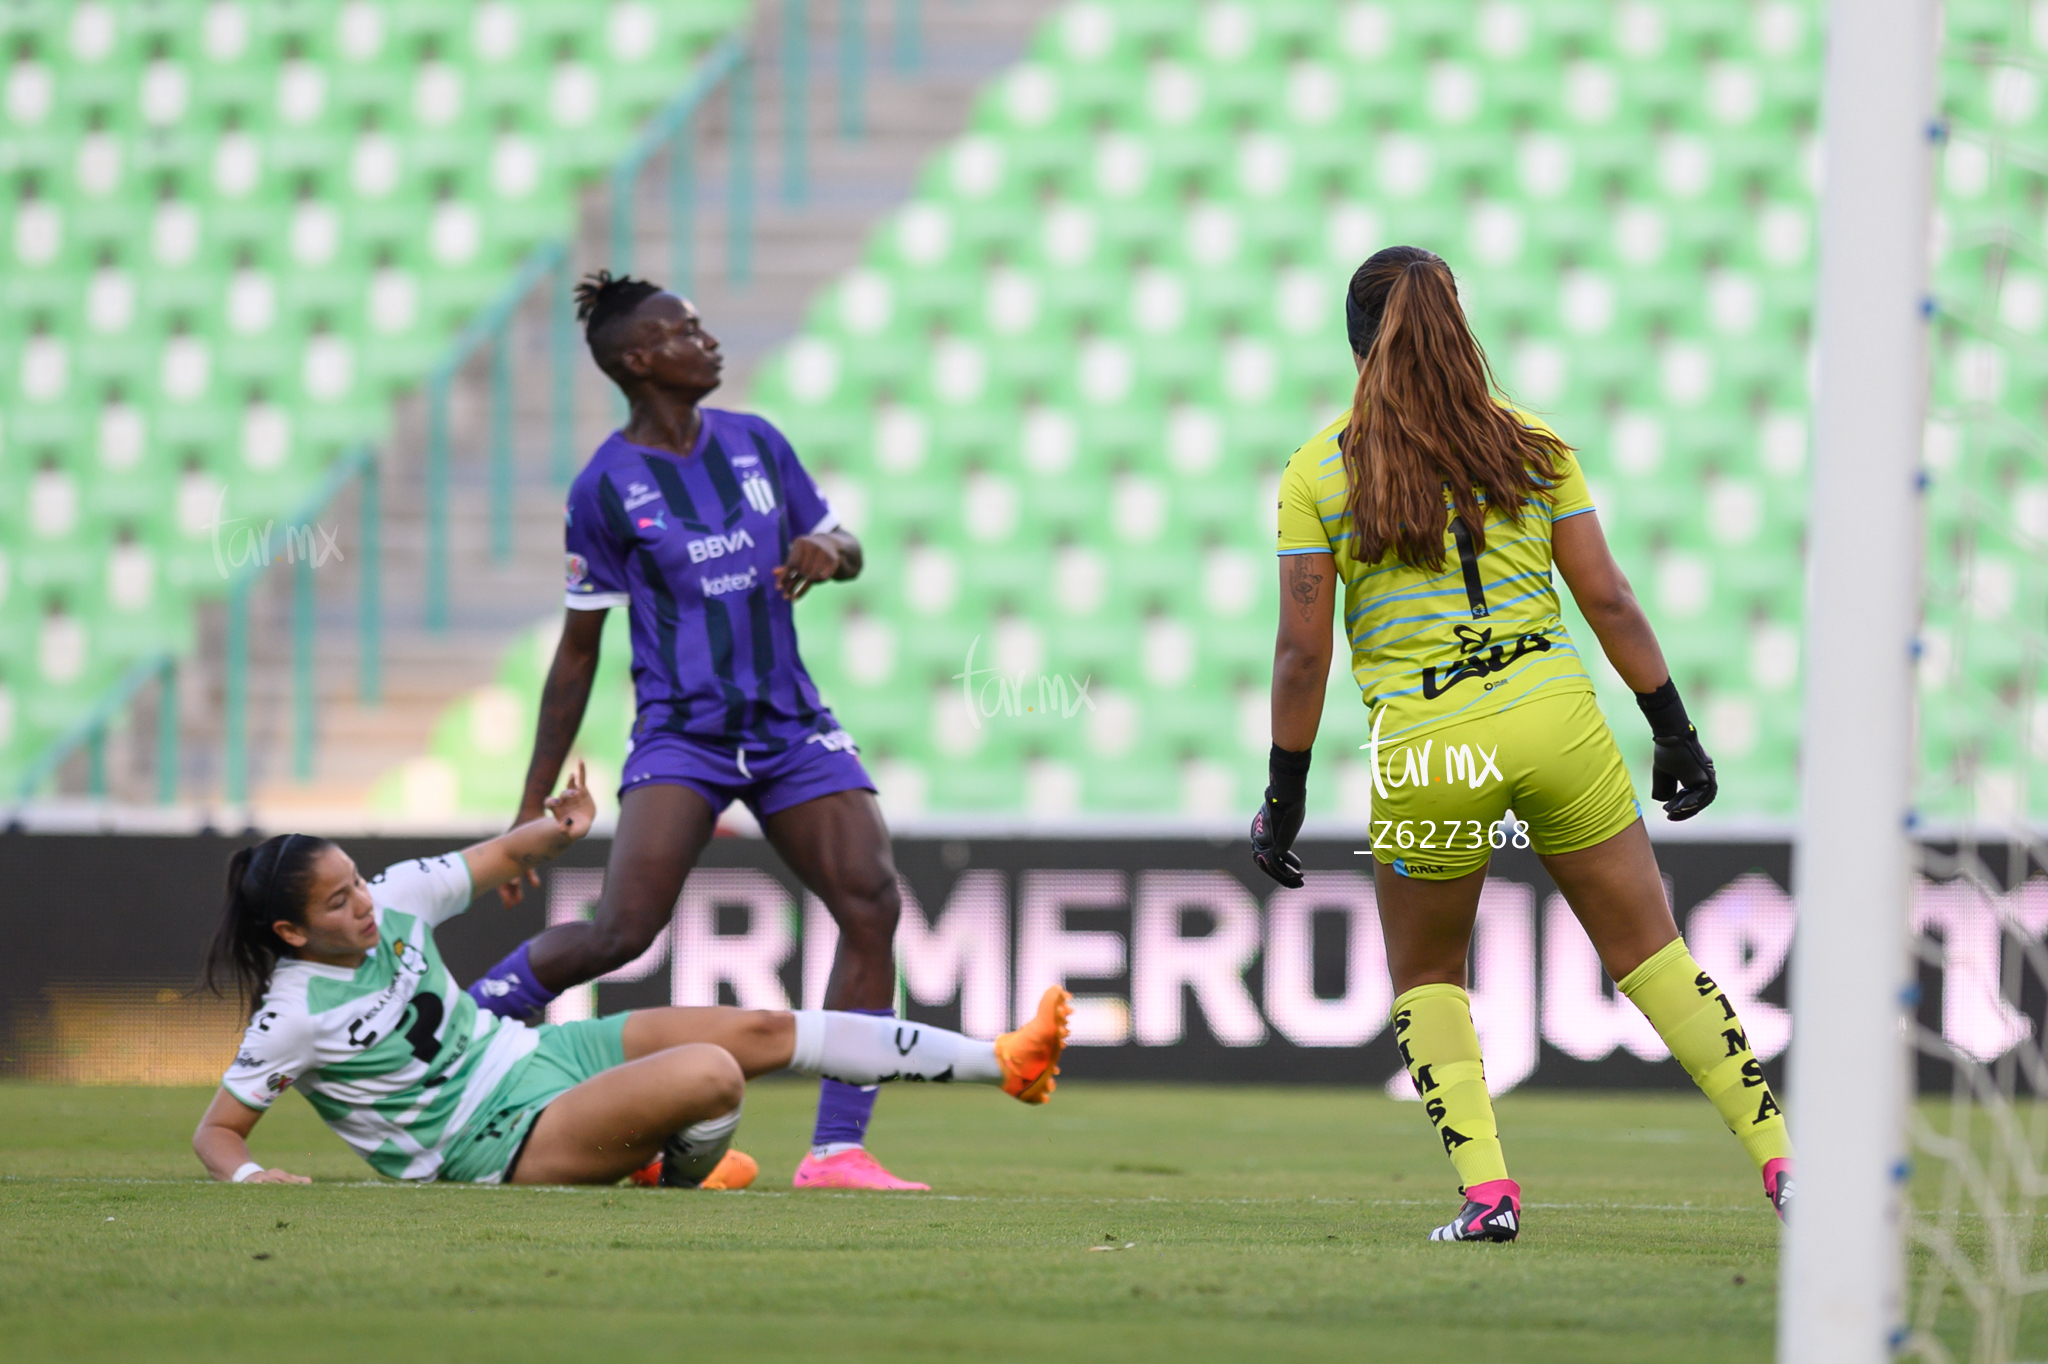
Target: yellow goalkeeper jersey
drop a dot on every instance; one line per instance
(1429, 649)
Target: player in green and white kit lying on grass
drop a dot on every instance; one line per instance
(352, 1005)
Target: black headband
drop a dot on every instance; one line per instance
(270, 914)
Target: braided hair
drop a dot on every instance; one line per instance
(268, 882)
(603, 298)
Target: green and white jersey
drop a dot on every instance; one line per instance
(393, 1055)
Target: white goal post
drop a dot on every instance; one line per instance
(1840, 1296)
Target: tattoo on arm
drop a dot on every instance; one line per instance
(1303, 586)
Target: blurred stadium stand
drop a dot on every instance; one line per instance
(238, 232)
(1054, 388)
(1064, 382)
(379, 125)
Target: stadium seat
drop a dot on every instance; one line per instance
(234, 233)
(1110, 313)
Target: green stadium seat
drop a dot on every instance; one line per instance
(224, 210)
(1045, 440)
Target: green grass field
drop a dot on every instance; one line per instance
(1123, 1222)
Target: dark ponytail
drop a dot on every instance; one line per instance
(268, 882)
(1425, 417)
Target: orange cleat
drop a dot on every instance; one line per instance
(735, 1170)
(1030, 1056)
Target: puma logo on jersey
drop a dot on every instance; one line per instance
(718, 546)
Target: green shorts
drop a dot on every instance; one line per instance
(569, 1053)
(1552, 761)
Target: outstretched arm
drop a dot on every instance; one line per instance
(1603, 593)
(222, 1142)
(1301, 653)
(514, 854)
(562, 702)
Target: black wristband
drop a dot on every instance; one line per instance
(1664, 710)
(1287, 771)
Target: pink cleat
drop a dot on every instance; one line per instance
(854, 1169)
(1778, 1185)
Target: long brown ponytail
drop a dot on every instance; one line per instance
(1424, 417)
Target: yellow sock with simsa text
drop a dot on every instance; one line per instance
(1440, 1047)
(1697, 1021)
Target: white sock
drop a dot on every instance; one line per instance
(860, 1049)
(711, 1131)
(692, 1154)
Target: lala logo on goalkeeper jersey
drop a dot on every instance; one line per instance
(1479, 661)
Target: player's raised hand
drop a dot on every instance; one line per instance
(813, 559)
(514, 891)
(574, 809)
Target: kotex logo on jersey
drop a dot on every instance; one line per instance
(718, 546)
(727, 583)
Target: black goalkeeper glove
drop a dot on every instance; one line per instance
(1681, 773)
(1279, 818)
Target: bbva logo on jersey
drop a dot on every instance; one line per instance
(718, 546)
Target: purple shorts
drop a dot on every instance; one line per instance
(767, 782)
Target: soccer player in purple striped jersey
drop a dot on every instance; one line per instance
(704, 526)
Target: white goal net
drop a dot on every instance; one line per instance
(1977, 1265)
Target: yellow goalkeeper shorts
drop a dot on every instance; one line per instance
(1437, 800)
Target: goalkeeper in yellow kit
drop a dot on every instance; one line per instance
(1440, 511)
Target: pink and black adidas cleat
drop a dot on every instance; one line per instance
(1778, 1184)
(1492, 1212)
